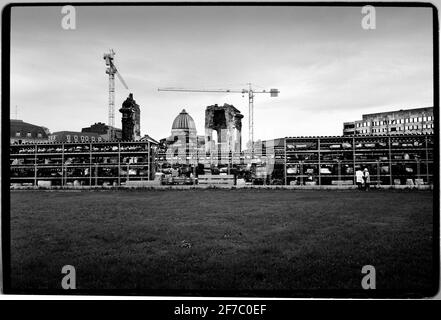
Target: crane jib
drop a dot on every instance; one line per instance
(250, 91)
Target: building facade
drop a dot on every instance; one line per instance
(75, 136)
(23, 132)
(410, 121)
(104, 131)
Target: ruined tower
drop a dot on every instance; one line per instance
(223, 127)
(130, 119)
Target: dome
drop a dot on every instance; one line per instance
(184, 121)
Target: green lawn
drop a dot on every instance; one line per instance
(233, 239)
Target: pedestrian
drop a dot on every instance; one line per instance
(367, 179)
(359, 178)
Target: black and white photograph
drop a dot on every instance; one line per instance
(285, 150)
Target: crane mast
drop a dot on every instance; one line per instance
(111, 71)
(251, 117)
(251, 93)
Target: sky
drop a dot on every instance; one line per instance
(327, 67)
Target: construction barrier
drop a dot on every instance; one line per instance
(227, 179)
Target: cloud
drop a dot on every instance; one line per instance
(328, 68)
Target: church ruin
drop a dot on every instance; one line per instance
(223, 127)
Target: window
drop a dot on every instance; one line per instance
(86, 138)
(82, 138)
(76, 138)
(420, 119)
(100, 139)
(39, 135)
(68, 138)
(17, 134)
(429, 118)
(29, 135)
(424, 118)
(93, 139)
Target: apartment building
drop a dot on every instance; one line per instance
(418, 120)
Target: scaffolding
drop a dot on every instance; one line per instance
(82, 164)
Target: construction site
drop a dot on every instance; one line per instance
(222, 151)
(106, 156)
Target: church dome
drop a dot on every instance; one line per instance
(184, 121)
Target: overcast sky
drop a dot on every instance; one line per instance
(328, 69)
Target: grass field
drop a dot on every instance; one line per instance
(237, 240)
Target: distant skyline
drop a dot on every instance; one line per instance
(328, 69)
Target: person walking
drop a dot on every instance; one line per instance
(359, 178)
(367, 179)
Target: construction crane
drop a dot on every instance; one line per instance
(250, 91)
(111, 71)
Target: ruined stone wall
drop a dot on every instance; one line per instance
(137, 119)
(223, 127)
